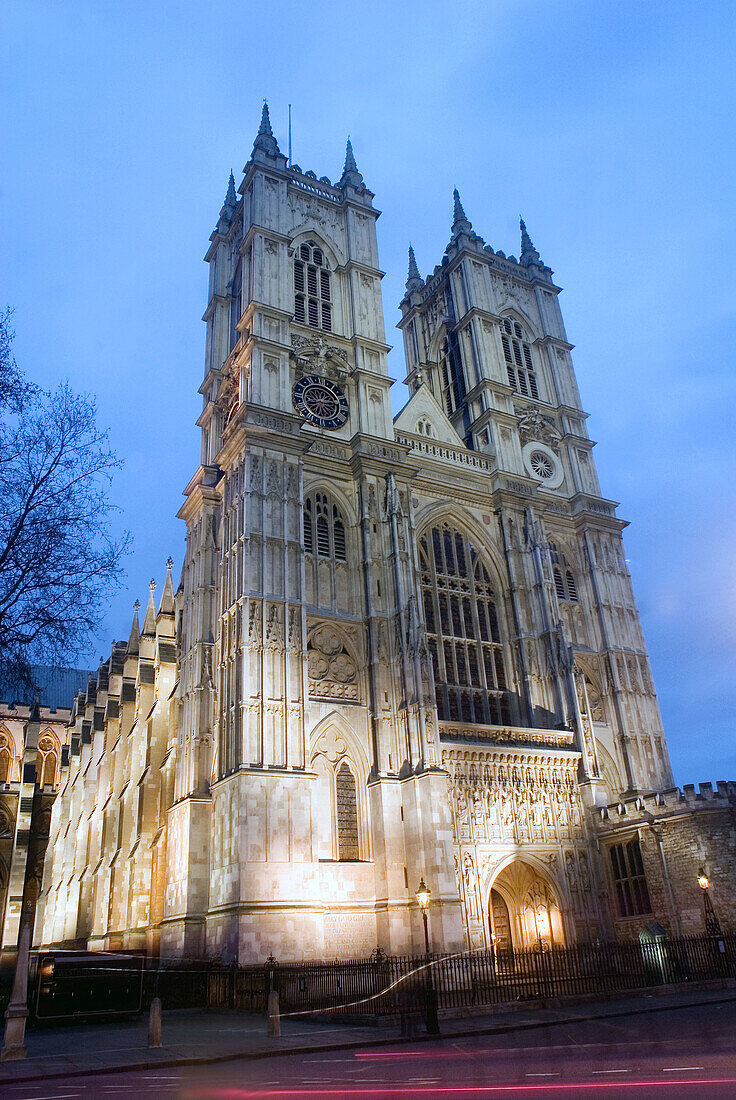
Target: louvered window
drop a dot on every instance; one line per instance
(323, 524)
(463, 631)
(312, 288)
(451, 372)
(519, 362)
(564, 578)
(308, 528)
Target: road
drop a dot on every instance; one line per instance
(684, 1053)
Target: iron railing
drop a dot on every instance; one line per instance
(382, 985)
(390, 985)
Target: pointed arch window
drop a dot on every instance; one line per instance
(451, 376)
(463, 630)
(324, 528)
(565, 585)
(312, 287)
(338, 810)
(47, 761)
(519, 361)
(6, 757)
(346, 799)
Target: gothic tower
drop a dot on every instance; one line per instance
(307, 751)
(484, 334)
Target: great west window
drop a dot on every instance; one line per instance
(463, 631)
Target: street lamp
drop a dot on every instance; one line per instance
(712, 924)
(423, 896)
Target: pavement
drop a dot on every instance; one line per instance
(201, 1037)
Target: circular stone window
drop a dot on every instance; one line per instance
(543, 464)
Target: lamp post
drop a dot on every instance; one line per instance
(423, 896)
(712, 924)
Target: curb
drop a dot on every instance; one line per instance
(321, 1048)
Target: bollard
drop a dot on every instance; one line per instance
(274, 1015)
(154, 1023)
(433, 1024)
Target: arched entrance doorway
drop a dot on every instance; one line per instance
(524, 909)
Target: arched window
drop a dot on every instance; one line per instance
(326, 566)
(346, 800)
(564, 578)
(518, 356)
(47, 761)
(324, 528)
(451, 376)
(338, 805)
(462, 630)
(6, 757)
(312, 288)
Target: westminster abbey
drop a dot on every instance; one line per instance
(401, 649)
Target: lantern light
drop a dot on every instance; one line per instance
(423, 895)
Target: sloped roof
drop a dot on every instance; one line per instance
(58, 686)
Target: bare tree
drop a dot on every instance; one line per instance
(58, 557)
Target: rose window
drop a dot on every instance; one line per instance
(542, 465)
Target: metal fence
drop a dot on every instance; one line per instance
(84, 985)
(392, 985)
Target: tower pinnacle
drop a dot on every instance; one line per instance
(265, 141)
(231, 199)
(350, 173)
(529, 254)
(460, 222)
(414, 279)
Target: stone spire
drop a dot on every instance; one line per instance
(228, 207)
(231, 199)
(529, 254)
(149, 622)
(414, 279)
(460, 223)
(166, 607)
(265, 141)
(135, 632)
(350, 173)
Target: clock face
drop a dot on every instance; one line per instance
(320, 401)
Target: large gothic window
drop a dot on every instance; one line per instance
(463, 632)
(312, 288)
(518, 355)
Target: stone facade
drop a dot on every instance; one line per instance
(400, 649)
(34, 754)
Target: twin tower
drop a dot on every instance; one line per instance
(402, 648)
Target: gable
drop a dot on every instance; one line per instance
(423, 415)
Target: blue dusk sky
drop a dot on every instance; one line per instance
(608, 125)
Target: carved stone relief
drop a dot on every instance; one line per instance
(331, 669)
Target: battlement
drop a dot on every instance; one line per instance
(671, 801)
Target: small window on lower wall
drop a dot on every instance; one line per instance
(631, 884)
(347, 814)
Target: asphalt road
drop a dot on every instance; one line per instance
(685, 1053)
